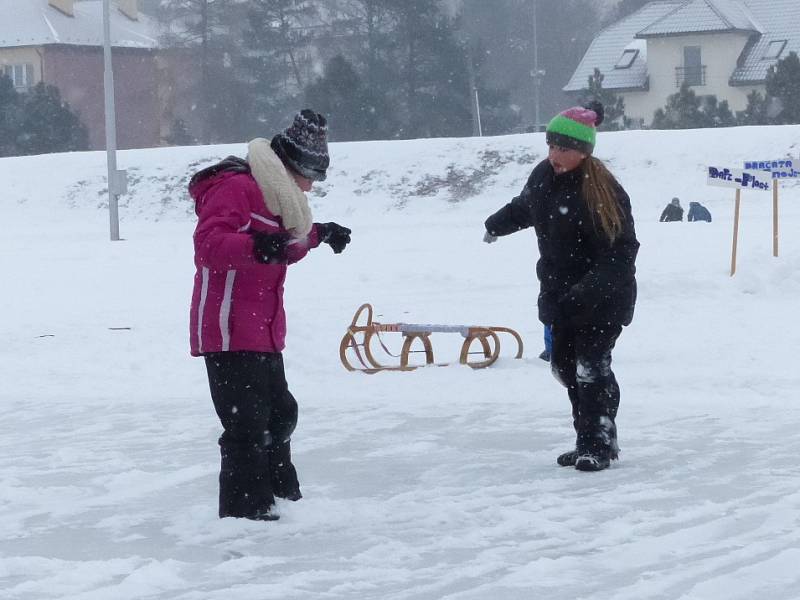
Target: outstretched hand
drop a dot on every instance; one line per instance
(335, 235)
(489, 238)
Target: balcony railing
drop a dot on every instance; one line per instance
(690, 75)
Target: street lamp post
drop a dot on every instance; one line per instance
(537, 72)
(117, 180)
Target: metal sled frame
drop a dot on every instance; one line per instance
(360, 337)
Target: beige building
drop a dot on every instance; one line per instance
(718, 47)
(60, 43)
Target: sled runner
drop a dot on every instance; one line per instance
(359, 337)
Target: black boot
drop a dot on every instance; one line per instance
(282, 472)
(592, 462)
(597, 444)
(567, 459)
(245, 488)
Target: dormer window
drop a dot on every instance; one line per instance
(626, 60)
(774, 50)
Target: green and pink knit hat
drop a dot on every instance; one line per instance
(576, 127)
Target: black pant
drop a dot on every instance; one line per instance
(581, 361)
(258, 414)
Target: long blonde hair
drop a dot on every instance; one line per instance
(599, 191)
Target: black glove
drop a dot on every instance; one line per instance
(270, 247)
(336, 236)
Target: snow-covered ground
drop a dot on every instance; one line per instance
(435, 484)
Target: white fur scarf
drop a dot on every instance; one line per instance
(281, 193)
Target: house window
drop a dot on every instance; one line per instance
(774, 49)
(693, 71)
(626, 60)
(20, 75)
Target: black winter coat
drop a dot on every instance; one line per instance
(584, 278)
(671, 213)
(698, 212)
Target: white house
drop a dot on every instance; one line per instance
(718, 47)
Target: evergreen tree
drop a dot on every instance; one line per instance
(179, 134)
(210, 29)
(716, 114)
(623, 9)
(48, 123)
(498, 114)
(277, 44)
(756, 111)
(341, 96)
(614, 105)
(10, 117)
(783, 84)
(687, 110)
(433, 72)
(565, 30)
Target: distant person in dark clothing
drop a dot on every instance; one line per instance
(673, 212)
(698, 212)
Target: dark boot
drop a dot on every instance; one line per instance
(245, 488)
(597, 443)
(592, 462)
(567, 459)
(282, 472)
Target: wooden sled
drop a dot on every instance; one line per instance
(359, 338)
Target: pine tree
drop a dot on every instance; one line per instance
(681, 112)
(208, 28)
(48, 123)
(179, 134)
(756, 111)
(623, 9)
(783, 84)
(715, 113)
(278, 45)
(614, 105)
(687, 110)
(433, 72)
(341, 96)
(10, 117)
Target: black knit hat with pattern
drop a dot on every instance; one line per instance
(303, 147)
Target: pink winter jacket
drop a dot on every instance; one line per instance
(237, 303)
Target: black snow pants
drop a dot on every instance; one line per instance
(258, 415)
(581, 361)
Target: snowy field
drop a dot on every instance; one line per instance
(435, 484)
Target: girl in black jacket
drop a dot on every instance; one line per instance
(587, 248)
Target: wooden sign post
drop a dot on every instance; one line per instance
(780, 169)
(775, 185)
(735, 230)
(739, 180)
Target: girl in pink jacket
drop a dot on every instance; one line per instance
(253, 221)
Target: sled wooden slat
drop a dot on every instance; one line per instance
(359, 337)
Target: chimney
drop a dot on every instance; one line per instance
(129, 8)
(65, 6)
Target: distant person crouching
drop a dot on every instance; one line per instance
(253, 221)
(698, 212)
(672, 212)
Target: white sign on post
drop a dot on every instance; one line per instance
(783, 168)
(741, 180)
(735, 178)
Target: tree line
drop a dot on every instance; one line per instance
(380, 69)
